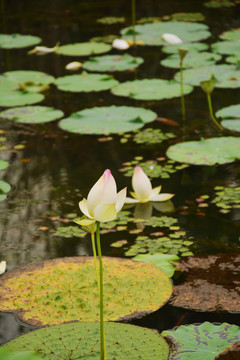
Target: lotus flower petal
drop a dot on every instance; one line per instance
(121, 196)
(141, 185)
(84, 208)
(105, 212)
(131, 201)
(120, 44)
(161, 197)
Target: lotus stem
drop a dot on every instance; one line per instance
(103, 355)
(211, 111)
(182, 93)
(95, 259)
(134, 21)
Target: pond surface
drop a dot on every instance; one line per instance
(54, 169)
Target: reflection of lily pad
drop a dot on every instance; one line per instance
(201, 342)
(151, 34)
(150, 89)
(65, 289)
(226, 76)
(112, 63)
(11, 41)
(230, 116)
(192, 60)
(211, 151)
(233, 34)
(226, 47)
(173, 49)
(83, 49)
(32, 114)
(210, 283)
(85, 82)
(3, 164)
(162, 261)
(113, 119)
(80, 341)
(4, 189)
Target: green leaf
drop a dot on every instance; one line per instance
(182, 16)
(110, 20)
(11, 41)
(32, 80)
(226, 47)
(83, 49)
(233, 34)
(9, 354)
(201, 342)
(3, 164)
(80, 340)
(112, 63)
(70, 231)
(109, 119)
(211, 151)
(4, 189)
(32, 114)
(218, 3)
(150, 89)
(162, 261)
(192, 60)
(192, 47)
(230, 116)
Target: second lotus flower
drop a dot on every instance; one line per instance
(143, 191)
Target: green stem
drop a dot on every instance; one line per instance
(102, 334)
(182, 93)
(211, 111)
(134, 21)
(95, 259)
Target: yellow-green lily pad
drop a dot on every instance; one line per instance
(192, 60)
(83, 49)
(61, 290)
(230, 116)
(195, 46)
(3, 164)
(112, 63)
(218, 3)
(233, 34)
(32, 114)
(226, 47)
(14, 41)
(4, 189)
(110, 20)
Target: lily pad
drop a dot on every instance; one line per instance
(218, 3)
(150, 34)
(85, 82)
(79, 340)
(226, 47)
(233, 34)
(112, 63)
(8, 354)
(32, 114)
(162, 261)
(151, 136)
(211, 151)
(28, 78)
(3, 164)
(227, 197)
(110, 20)
(70, 231)
(192, 60)
(109, 119)
(150, 89)
(201, 342)
(233, 59)
(49, 298)
(230, 116)
(173, 49)
(225, 76)
(13, 41)
(210, 283)
(182, 16)
(83, 49)
(4, 189)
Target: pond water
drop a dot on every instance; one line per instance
(54, 169)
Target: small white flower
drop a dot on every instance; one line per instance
(74, 65)
(3, 266)
(42, 50)
(171, 39)
(120, 44)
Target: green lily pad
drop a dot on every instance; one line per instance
(173, 49)
(109, 119)
(108, 39)
(80, 340)
(151, 136)
(28, 76)
(230, 116)
(233, 59)
(4, 189)
(85, 82)
(49, 298)
(211, 151)
(18, 98)
(162, 261)
(226, 197)
(187, 17)
(192, 60)
(70, 231)
(226, 47)
(83, 49)
(110, 20)
(32, 114)
(8, 354)
(201, 342)
(225, 76)
(149, 19)
(233, 125)
(13, 41)
(218, 3)
(233, 34)
(150, 34)
(3, 164)
(112, 63)
(150, 89)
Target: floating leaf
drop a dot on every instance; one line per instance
(226, 47)
(162, 261)
(4, 189)
(108, 39)
(70, 231)
(12, 41)
(226, 197)
(149, 19)
(225, 76)
(80, 340)
(151, 136)
(150, 89)
(187, 17)
(111, 119)
(231, 352)
(112, 63)
(173, 49)
(233, 34)
(233, 59)
(109, 20)
(230, 116)
(192, 60)
(85, 82)
(32, 81)
(201, 342)
(3, 164)
(218, 3)
(9, 354)
(32, 114)
(150, 34)
(60, 290)
(83, 49)
(211, 151)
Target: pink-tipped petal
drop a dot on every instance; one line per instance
(105, 212)
(109, 195)
(95, 194)
(84, 208)
(162, 197)
(141, 185)
(121, 197)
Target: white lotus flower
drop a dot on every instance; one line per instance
(3, 266)
(143, 191)
(103, 202)
(74, 65)
(171, 39)
(120, 44)
(42, 50)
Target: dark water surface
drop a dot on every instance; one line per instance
(55, 169)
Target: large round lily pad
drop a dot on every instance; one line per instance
(32, 114)
(201, 342)
(28, 80)
(85, 82)
(195, 46)
(150, 34)
(112, 63)
(230, 116)
(60, 290)
(211, 151)
(4, 189)
(211, 283)
(11, 41)
(109, 119)
(226, 76)
(192, 60)
(233, 34)
(226, 47)
(80, 340)
(150, 89)
(83, 49)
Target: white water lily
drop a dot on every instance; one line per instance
(103, 202)
(74, 65)
(42, 50)
(143, 191)
(171, 39)
(120, 44)
(3, 266)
